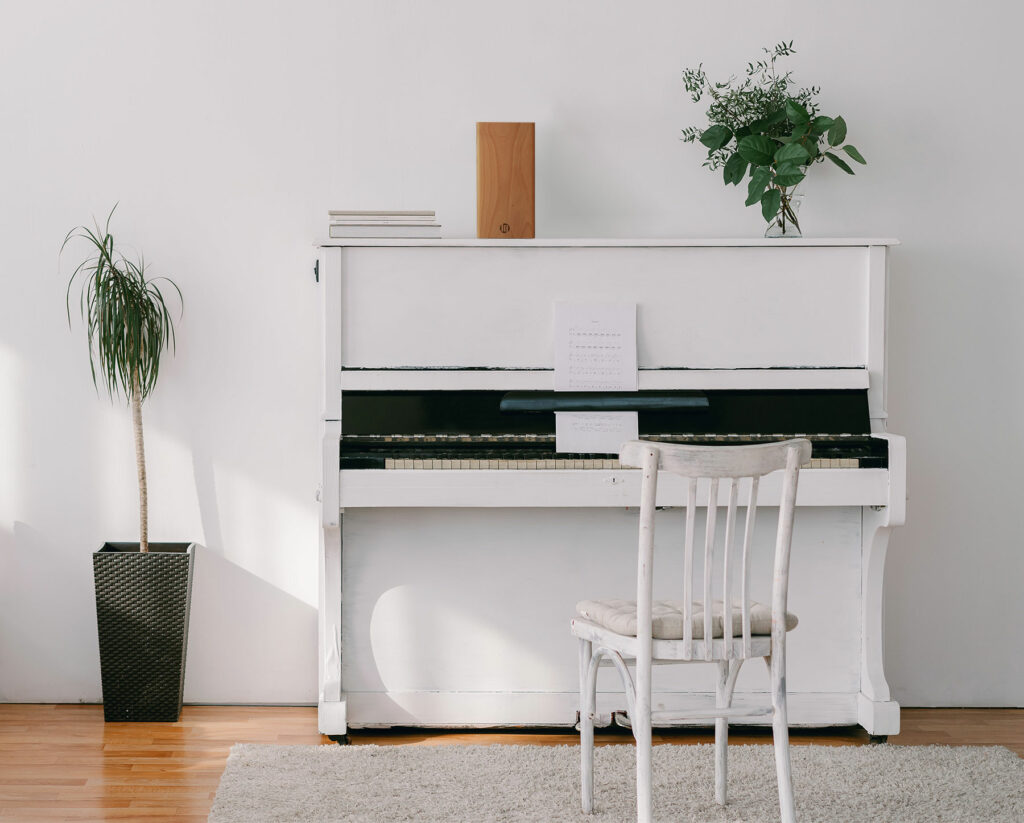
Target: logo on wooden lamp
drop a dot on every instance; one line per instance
(504, 180)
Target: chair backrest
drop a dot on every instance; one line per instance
(709, 466)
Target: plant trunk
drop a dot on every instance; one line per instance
(140, 465)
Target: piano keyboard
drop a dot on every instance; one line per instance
(558, 463)
(537, 452)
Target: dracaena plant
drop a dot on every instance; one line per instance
(766, 127)
(128, 326)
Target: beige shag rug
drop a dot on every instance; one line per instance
(540, 784)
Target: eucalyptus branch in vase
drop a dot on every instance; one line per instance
(768, 128)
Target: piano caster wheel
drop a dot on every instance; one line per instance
(340, 739)
(877, 739)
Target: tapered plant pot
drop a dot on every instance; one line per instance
(142, 607)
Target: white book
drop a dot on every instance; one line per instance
(381, 213)
(370, 225)
(382, 221)
(429, 230)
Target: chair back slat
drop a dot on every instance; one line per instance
(691, 517)
(727, 563)
(783, 543)
(709, 562)
(645, 565)
(748, 534)
(710, 464)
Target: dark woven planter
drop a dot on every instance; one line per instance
(142, 605)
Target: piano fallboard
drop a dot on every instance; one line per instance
(515, 430)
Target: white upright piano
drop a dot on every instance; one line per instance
(455, 541)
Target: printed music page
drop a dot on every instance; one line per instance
(595, 350)
(594, 432)
(595, 347)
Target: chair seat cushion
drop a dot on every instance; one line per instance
(667, 618)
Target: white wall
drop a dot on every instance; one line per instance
(225, 130)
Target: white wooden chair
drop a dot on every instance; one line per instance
(677, 631)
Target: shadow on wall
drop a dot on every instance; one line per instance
(206, 484)
(239, 626)
(39, 642)
(242, 625)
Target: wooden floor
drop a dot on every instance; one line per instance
(64, 763)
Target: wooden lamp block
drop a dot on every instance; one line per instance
(504, 180)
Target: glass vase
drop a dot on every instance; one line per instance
(787, 222)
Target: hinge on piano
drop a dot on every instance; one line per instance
(316, 271)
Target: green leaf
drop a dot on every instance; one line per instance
(742, 131)
(796, 113)
(735, 168)
(716, 137)
(821, 124)
(770, 202)
(839, 162)
(756, 148)
(769, 120)
(758, 183)
(792, 153)
(127, 321)
(788, 174)
(856, 155)
(837, 132)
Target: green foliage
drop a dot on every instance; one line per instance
(766, 126)
(125, 315)
(770, 202)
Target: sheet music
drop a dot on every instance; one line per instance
(594, 432)
(595, 347)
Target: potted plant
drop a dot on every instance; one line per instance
(143, 590)
(767, 127)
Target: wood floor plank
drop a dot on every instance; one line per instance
(63, 763)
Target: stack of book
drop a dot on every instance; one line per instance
(384, 224)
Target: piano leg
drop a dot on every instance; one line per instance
(331, 706)
(877, 712)
(331, 714)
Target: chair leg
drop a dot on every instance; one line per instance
(641, 722)
(588, 699)
(722, 701)
(780, 733)
(642, 732)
